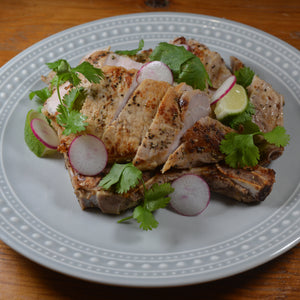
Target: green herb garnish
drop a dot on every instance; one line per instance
(69, 116)
(245, 116)
(244, 76)
(240, 148)
(123, 177)
(185, 66)
(41, 95)
(131, 52)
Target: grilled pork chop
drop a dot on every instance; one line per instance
(164, 116)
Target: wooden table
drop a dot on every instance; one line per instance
(25, 22)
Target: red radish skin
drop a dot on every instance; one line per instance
(87, 155)
(44, 133)
(191, 195)
(155, 70)
(223, 90)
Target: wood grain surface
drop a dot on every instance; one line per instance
(25, 22)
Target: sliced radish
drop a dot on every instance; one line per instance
(191, 195)
(155, 70)
(44, 133)
(226, 86)
(88, 155)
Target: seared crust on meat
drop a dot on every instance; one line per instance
(200, 145)
(156, 125)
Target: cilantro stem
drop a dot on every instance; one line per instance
(125, 219)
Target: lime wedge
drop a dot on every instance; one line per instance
(38, 148)
(233, 103)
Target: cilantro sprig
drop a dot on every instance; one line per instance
(69, 115)
(240, 148)
(41, 95)
(123, 177)
(185, 66)
(244, 76)
(131, 52)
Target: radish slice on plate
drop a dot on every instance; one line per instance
(155, 70)
(88, 155)
(191, 195)
(226, 86)
(44, 133)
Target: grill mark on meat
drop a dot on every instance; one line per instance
(244, 185)
(200, 145)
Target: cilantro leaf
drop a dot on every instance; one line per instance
(241, 118)
(277, 136)
(112, 177)
(91, 73)
(185, 66)
(156, 196)
(240, 150)
(194, 73)
(130, 177)
(69, 116)
(74, 99)
(131, 52)
(123, 176)
(41, 95)
(60, 66)
(146, 219)
(154, 199)
(72, 121)
(244, 76)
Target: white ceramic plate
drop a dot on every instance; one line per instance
(41, 219)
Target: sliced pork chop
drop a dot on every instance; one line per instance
(180, 108)
(201, 145)
(123, 136)
(212, 61)
(106, 99)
